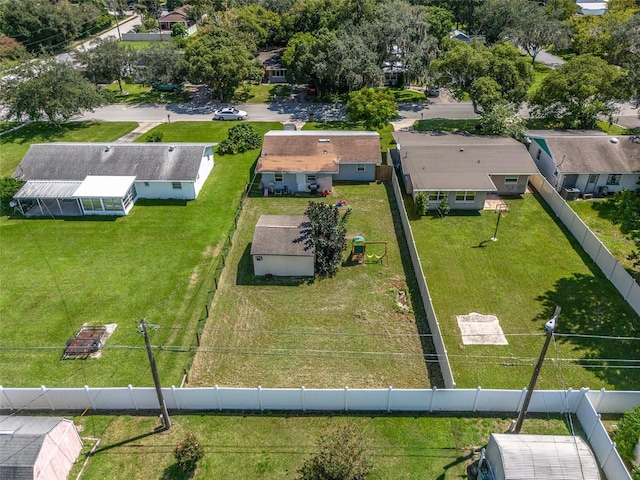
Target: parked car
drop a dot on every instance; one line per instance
(230, 113)
(433, 92)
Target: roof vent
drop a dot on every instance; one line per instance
(107, 148)
(324, 140)
(462, 149)
(172, 148)
(613, 140)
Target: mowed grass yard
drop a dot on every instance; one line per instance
(274, 446)
(597, 215)
(534, 266)
(57, 274)
(343, 331)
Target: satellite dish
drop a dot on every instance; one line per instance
(12, 203)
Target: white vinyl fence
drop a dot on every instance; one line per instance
(584, 404)
(434, 326)
(617, 275)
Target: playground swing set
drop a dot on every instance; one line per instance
(359, 252)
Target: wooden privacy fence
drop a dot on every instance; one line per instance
(384, 172)
(617, 275)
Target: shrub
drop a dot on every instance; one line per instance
(326, 232)
(154, 137)
(628, 433)
(187, 453)
(241, 138)
(421, 203)
(342, 455)
(9, 186)
(444, 207)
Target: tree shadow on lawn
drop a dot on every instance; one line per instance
(428, 348)
(592, 306)
(43, 131)
(245, 275)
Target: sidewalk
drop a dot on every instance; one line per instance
(140, 130)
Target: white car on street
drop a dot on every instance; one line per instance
(229, 113)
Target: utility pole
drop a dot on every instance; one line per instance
(115, 14)
(550, 326)
(166, 421)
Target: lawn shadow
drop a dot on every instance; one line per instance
(173, 472)
(428, 348)
(605, 208)
(245, 275)
(157, 202)
(592, 307)
(43, 131)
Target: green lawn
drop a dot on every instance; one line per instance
(138, 93)
(139, 45)
(447, 125)
(58, 274)
(406, 94)
(4, 126)
(346, 330)
(272, 446)
(261, 93)
(597, 215)
(540, 72)
(534, 266)
(13, 146)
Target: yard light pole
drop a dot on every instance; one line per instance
(501, 210)
(550, 326)
(166, 421)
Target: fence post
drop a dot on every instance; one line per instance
(519, 404)
(475, 401)
(260, 398)
(175, 397)
(593, 429)
(86, 390)
(45, 392)
(304, 403)
(613, 449)
(215, 389)
(389, 390)
(133, 397)
(597, 408)
(2, 394)
(346, 398)
(433, 395)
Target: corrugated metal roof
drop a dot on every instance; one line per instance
(541, 457)
(47, 189)
(146, 162)
(281, 235)
(459, 162)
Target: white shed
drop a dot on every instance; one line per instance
(38, 448)
(541, 457)
(280, 247)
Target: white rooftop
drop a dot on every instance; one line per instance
(102, 186)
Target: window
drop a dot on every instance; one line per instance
(176, 185)
(311, 178)
(146, 184)
(511, 179)
(437, 196)
(593, 178)
(613, 179)
(277, 177)
(465, 197)
(361, 167)
(129, 196)
(91, 204)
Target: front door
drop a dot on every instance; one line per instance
(301, 182)
(591, 183)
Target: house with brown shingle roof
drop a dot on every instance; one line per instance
(462, 169)
(179, 15)
(308, 160)
(280, 246)
(592, 164)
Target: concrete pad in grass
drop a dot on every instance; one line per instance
(479, 329)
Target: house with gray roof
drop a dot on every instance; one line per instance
(37, 447)
(307, 160)
(280, 246)
(588, 164)
(461, 169)
(66, 179)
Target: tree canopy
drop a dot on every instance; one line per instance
(221, 61)
(108, 61)
(48, 90)
(576, 93)
(162, 63)
(326, 232)
(372, 107)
